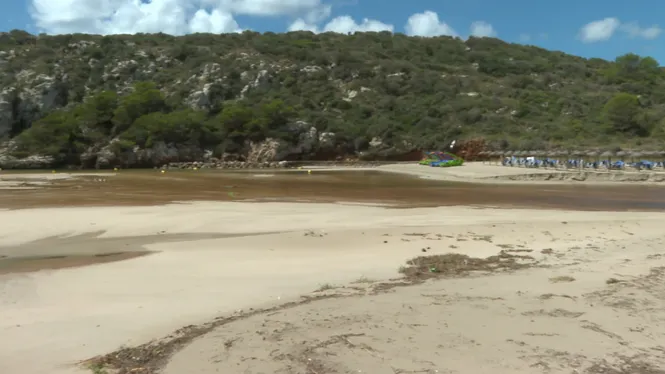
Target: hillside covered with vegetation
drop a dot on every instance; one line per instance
(142, 100)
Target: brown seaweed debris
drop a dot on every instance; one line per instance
(456, 264)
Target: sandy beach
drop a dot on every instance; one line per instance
(237, 287)
(493, 173)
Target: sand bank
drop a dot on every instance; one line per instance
(479, 172)
(52, 319)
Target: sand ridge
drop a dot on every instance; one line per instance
(493, 173)
(68, 315)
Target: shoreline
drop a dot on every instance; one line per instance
(481, 173)
(335, 249)
(471, 172)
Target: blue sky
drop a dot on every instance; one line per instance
(626, 26)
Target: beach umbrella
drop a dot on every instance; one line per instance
(500, 155)
(493, 155)
(560, 156)
(650, 153)
(621, 154)
(607, 155)
(518, 154)
(592, 154)
(526, 153)
(564, 156)
(577, 154)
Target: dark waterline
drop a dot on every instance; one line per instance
(150, 187)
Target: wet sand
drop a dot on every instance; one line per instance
(60, 252)
(130, 188)
(16, 265)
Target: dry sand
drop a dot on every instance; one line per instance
(527, 321)
(480, 172)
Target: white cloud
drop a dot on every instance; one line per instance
(634, 30)
(598, 31)
(427, 24)
(482, 29)
(302, 25)
(169, 16)
(524, 38)
(343, 25)
(603, 30)
(217, 22)
(346, 24)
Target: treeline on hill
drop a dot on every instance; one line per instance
(424, 92)
(143, 118)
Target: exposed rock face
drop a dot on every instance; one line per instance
(262, 78)
(264, 151)
(7, 97)
(39, 94)
(30, 162)
(201, 100)
(160, 154)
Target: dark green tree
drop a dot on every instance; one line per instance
(144, 99)
(622, 113)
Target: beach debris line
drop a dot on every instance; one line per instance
(315, 234)
(456, 264)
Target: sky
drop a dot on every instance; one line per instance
(588, 28)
